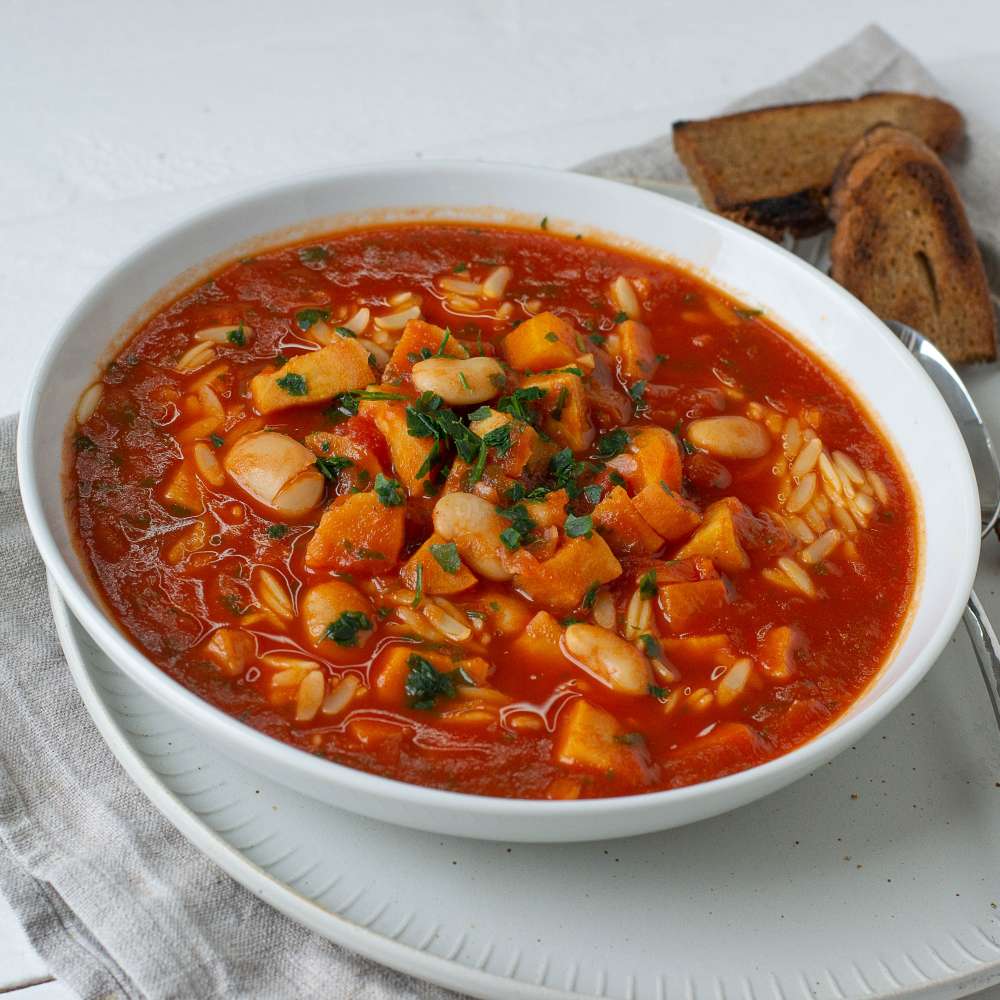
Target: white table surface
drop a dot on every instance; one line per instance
(118, 117)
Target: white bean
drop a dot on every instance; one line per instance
(459, 381)
(276, 471)
(474, 526)
(730, 437)
(609, 658)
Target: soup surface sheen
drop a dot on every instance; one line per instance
(493, 510)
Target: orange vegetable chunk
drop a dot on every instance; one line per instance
(541, 642)
(717, 537)
(689, 606)
(544, 341)
(358, 534)
(419, 341)
(592, 738)
(314, 377)
(666, 512)
(561, 582)
(658, 456)
(409, 454)
(624, 528)
(435, 579)
(781, 651)
(564, 409)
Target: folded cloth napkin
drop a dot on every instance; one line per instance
(112, 896)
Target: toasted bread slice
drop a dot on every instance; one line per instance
(903, 244)
(771, 169)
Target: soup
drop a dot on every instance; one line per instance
(493, 510)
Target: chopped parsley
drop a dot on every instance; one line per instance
(389, 492)
(418, 589)
(613, 443)
(446, 556)
(620, 317)
(277, 531)
(83, 443)
(557, 410)
(237, 336)
(217, 441)
(544, 224)
(637, 393)
(748, 313)
(344, 631)
(439, 353)
(459, 268)
(331, 465)
(480, 413)
(293, 384)
(348, 401)
(591, 596)
(346, 332)
(551, 337)
(516, 404)
(424, 685)
(579, 526)
(647, 585)
(650, 646)
(499, 440)
(305, 318)
(660, 693)
(521, 526)
(592, 493)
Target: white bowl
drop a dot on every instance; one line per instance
(819, 313)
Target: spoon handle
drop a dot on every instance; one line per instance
(986, 647)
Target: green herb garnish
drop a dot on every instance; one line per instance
(579, 526)
(447, 557)
(389, 491)
(305, 318)
(293, 384)
(344, 631)
(332, 465)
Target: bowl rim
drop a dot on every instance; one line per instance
(822, 747)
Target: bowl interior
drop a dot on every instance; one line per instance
(814, 310)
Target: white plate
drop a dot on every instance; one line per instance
(879, 874)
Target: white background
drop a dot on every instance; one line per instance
(117, 118)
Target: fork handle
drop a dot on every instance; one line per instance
(986, 647)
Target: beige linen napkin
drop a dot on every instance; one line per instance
(118, 904)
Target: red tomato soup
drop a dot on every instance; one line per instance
(493, 510)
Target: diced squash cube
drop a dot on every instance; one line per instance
(357, 534)
(696, 649)
(592, 738)
(561, 582)
(541, 643)
(666, 512)
(409, 454)
(505, 614)
(564, 409)
(525, 449)
(364, 467)
(420, 341)
(624, 528)
(434, 577)
(393, 668)
(313, 378)
(658, 455)
(544, 341)
(718, 539)
(231, 650)
(637, 354)
(550, 512)
(689, 606)
(189, 541)
(182, 495)
(803, 716)
(729, 747)
(781, 651)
